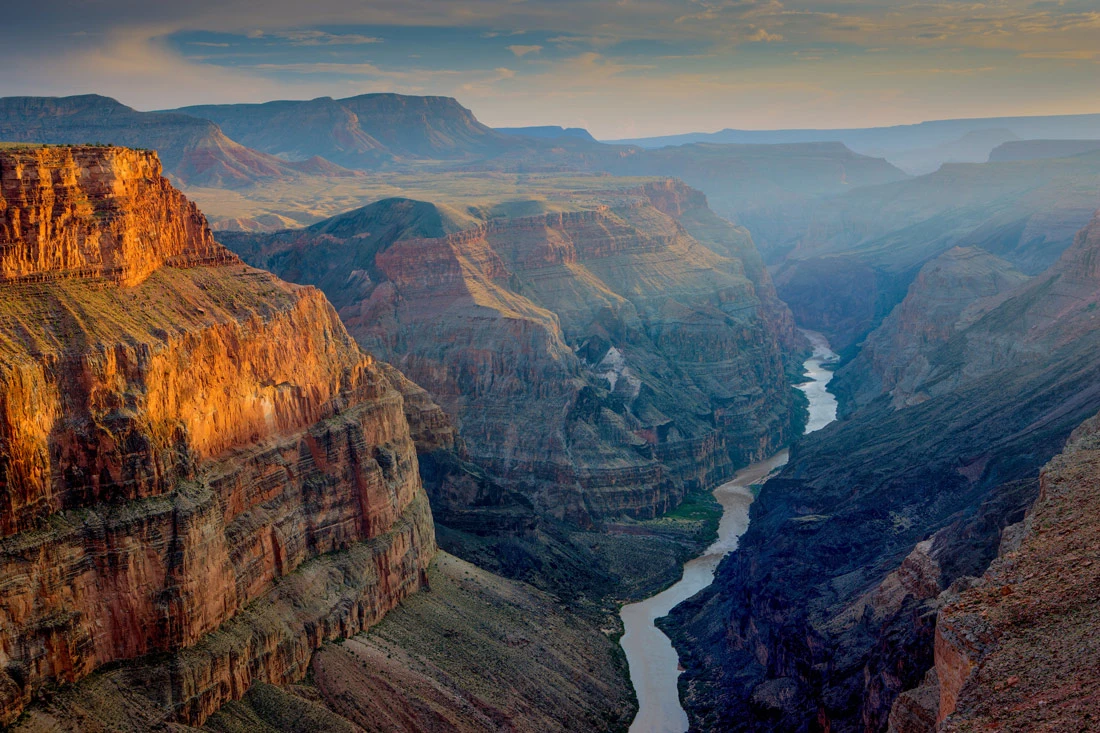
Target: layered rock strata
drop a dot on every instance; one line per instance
(601, 361)
(95, 212)
(182, 435)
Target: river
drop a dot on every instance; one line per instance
(654, 666)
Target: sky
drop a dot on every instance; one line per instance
(621, 68)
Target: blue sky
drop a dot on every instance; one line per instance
(622, 68)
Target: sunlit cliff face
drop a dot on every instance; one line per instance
(626, 69)
(181, 432)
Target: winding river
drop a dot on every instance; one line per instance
(654, 666)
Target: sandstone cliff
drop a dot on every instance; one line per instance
(602, 361)
(181, 436)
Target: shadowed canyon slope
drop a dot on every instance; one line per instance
(182, 435)
(602, 360)
(827, 612)
(1016, 649)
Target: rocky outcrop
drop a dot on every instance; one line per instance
(600, 361)
(831, 599)
(1015, 651)
(950, 293)
(181, 436)
(95, 212)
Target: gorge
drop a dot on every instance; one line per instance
(453, 428)
(654, 665)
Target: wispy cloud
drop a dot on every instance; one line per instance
(323, 38)
(522, 51)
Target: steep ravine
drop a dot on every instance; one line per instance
(827, 613)
(654, 665)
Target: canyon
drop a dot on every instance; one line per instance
(828, 610)
(211, 491)
(405, 475)
(600, 361)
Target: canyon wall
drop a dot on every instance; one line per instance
(95, 212)
(182, 435)
(948, 294)
(1016, 649)
(600, 361)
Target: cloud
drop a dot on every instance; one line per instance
(1080, 55)
(652, 66)
(522, 51)
(763, 35)
(323, 38)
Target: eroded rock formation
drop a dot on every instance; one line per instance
(181, 436)
(602, 361)
(948, 294)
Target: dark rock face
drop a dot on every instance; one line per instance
(600, 362)
(838, 579)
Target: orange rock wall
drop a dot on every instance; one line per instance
(87, 211)
(172, 450)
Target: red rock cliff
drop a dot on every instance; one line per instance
(178, 432)
(90, 211)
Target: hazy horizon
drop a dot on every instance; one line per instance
(630, 68)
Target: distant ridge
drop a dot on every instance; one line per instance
(368, 131)
(918, 148)
(933, 132)
(195, 151)
(549, 132)
(1037, 149)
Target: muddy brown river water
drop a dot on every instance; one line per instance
(654, 666)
